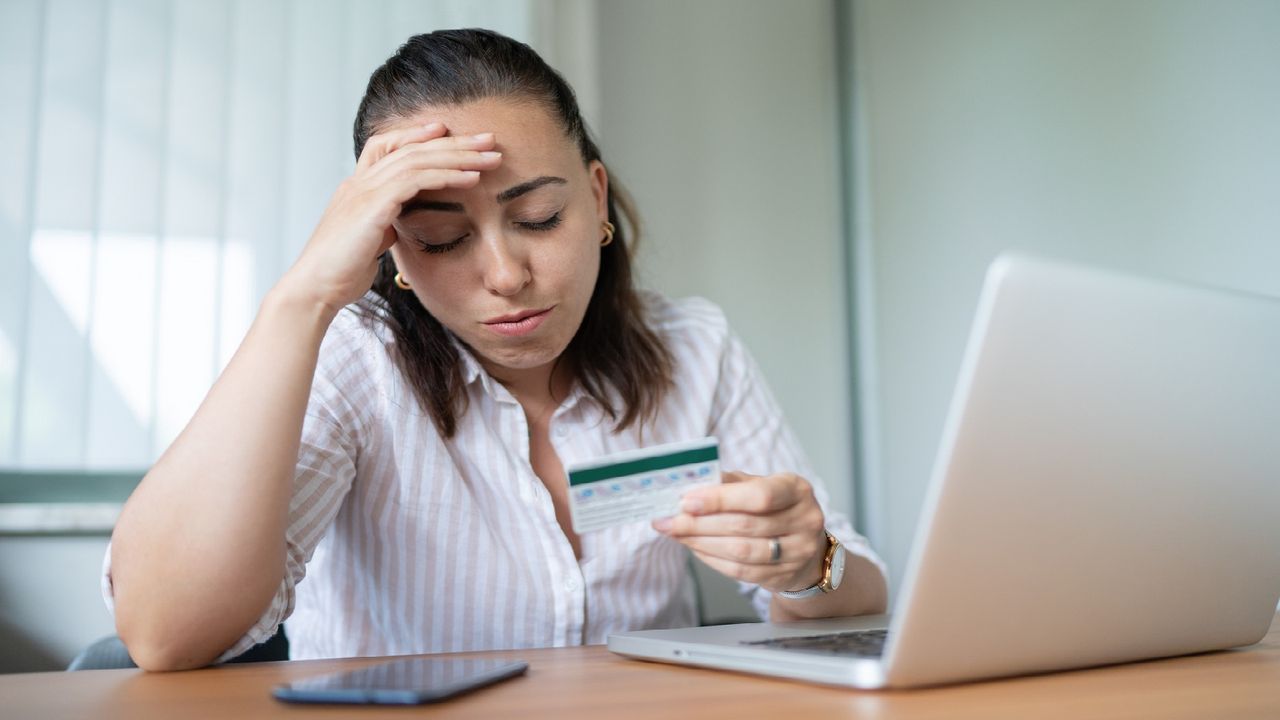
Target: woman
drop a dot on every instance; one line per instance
(394, 426)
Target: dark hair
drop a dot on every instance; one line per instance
(613, 348)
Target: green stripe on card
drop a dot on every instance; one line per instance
(644, 465)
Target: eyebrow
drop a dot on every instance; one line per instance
(505, 196)
(512, 193)
(416, 205)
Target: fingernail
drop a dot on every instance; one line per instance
(693, 506)
(490, 154)
(662, 524)
(432, 126)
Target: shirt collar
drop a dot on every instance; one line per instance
(473, 371)
(471, 368)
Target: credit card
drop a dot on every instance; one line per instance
(639, 485)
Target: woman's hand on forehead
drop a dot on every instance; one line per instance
(340, 261)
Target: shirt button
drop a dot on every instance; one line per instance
(562, 431)
(571, 584)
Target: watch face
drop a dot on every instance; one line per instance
(837, 565)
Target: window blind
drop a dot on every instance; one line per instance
(161, 163)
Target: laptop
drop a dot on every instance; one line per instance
(1107, 489)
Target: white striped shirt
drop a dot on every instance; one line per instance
(413, 543)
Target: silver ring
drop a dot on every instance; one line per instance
(775, 550)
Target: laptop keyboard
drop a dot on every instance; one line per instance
(856, 643)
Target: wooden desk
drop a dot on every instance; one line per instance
(591, 683)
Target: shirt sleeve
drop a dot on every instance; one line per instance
(323, 476)
(755, 438)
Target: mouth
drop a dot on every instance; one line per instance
(521, 323)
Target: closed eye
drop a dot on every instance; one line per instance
(541, 225)
(535, 226)
(434, 249)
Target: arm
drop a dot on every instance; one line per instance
(199, 547)
(199, 550)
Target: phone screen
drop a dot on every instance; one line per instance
(401, 682)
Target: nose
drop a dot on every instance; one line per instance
(505, 268)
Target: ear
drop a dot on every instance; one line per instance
(600, 188)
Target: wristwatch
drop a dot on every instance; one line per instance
(832, 573)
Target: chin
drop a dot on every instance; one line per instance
(522, 358)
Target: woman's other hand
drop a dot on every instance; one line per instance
(339, 262)
(731, 527)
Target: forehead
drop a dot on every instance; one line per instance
(526, 131)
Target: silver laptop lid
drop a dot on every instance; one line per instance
(1108, 484)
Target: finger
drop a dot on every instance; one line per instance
(728, 568)
(793, 550)
(383, 202)
(758, 495)
(419, 158)
(767, 576)
(383, 144)
(389, 237)
(405, 186)
(728, 524)
(479, 141)
(474, 143)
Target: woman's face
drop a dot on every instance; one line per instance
(510, 264)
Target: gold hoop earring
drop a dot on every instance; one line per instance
(401, 282)
(608, 233)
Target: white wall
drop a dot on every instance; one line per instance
(720, 116)
(50, 602)
(1142, 134)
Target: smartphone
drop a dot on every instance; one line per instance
(401, 682)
